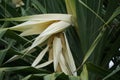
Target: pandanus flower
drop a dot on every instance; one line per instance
(50, 28)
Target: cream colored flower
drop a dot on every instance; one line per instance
(45, 25)
(49, 27)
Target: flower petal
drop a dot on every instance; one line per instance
(52, 29)
(69, 58)
(55, 28)
(57, 49)
(63, 65)
(44, 64)
(39, 57)
(32, 27)
(42, 17)
(36, 29)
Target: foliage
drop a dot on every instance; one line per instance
(94, 40)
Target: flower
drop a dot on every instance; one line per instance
(59, 53)
(49, 27)
(45, 25)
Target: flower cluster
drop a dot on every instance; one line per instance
(50, 28)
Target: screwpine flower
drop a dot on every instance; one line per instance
(50, 28)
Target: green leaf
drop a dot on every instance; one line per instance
(27, 77)
(52, 76)
(74, 78)
(96, 69)
(99, 71)
(116, 13)
(110, 8)
(34, 76)
(93, 46)
(84, 73)
(39, 6)
(1, 75)
(112, 73)
(21, 69)
(91, 10)
(12, 35)
(3, 52)
(99, 37)
(2, 31)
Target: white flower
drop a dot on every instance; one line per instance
(45, 25)
(49, 27)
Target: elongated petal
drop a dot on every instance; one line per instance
(69, 58)
(39, 57)
(50, 54)
(36, 29)
(57, 49)
(27, 25)
(44, 64)
(63, 65)
(59, 68)
(32, 27)
(55, 28)
(50, 43)
(52, 29)
(42, 17)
